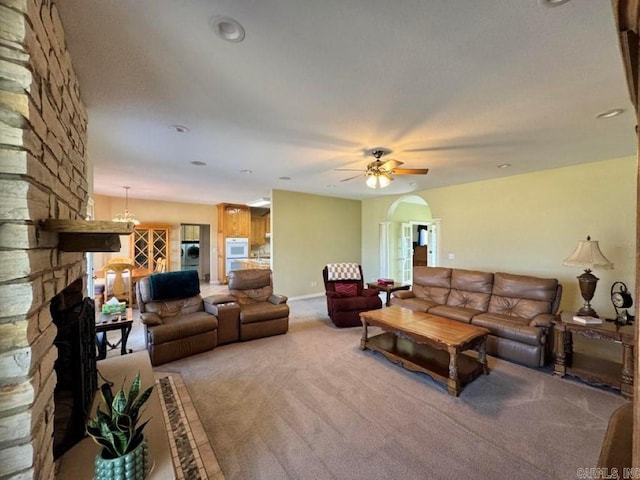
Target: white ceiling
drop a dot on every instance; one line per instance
(458, 87)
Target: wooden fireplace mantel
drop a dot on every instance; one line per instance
(87, 235)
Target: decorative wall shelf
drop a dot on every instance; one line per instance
(87, 235)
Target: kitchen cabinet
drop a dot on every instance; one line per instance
(234, 220)
(267, 223)
(190, 233)
(150, 244)
(258, 230)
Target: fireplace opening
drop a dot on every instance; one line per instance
(76, 369)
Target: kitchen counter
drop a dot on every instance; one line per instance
(253, 263)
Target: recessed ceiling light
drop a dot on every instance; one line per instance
(610, 113)
(245, 171)
(504, 165)
(284, 178)
(179, 128)
(413, 184)
(198, 163)
(227, 29)
(553, 3)
(331, 186)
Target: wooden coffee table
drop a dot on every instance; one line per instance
(427, 343)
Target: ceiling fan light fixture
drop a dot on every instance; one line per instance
(378, 180)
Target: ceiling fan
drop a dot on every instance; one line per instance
(379, 173)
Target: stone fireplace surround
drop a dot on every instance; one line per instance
(43, 175)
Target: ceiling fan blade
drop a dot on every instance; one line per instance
(410, 171)
(350, 169)
(391, 164)
(351, 178)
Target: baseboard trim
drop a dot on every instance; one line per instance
(303, 297)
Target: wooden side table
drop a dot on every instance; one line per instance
(389, 288)
(108, 322)
(591, 369)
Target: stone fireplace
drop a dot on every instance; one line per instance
(44, 175)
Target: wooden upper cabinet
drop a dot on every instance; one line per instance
(234, 220)
(258, 230)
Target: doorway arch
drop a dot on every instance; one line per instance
(400, 233)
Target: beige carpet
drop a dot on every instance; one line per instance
(311, 405)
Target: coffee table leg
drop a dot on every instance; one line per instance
(363, 340)
(125, 336)
(453, 384)
(101, 342)
(482, 356)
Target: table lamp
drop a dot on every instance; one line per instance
(587, 255)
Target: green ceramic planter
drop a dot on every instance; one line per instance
(132, 466)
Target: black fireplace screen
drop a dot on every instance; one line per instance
(76, 371)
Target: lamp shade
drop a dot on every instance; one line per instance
(588, 255)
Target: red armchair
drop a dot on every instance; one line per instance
(346, 295)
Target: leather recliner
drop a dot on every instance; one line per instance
(176, 322)
(262, 313)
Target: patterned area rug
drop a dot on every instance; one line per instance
(192, 455)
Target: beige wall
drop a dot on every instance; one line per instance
(168, 213)
(530, 223)
(309, 231)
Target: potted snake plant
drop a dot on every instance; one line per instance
(124, 449)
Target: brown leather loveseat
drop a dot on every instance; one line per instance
(518, 310)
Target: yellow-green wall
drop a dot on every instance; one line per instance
(309, 231)
(159, 212)
(530, 223)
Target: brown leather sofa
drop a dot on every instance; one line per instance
(518, 310)
(176, 322)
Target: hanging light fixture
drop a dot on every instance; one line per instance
(127, 216)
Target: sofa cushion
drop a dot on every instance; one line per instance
(461, 314)
(250, 286)
(183, 326)
(506, 326)
(413, 303)
(470, 289)
(432, 283)
(173, 308)
(259, 312)
(348, 289)
(522, 296)
(150, 318)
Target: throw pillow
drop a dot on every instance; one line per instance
(348, 289)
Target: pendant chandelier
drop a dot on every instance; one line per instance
(127, 216)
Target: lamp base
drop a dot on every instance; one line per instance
(587, 282)
(587, 311)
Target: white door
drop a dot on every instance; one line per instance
(406, 253)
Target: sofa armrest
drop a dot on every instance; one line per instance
(220, 298)
(277, 299)
(545, 320)
(150, 319)
(404, 294)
